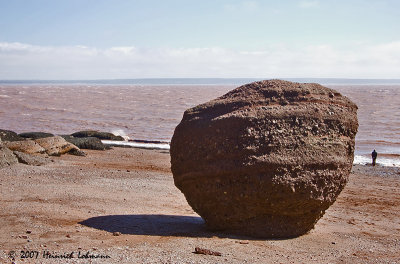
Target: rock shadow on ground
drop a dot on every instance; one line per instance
(156, 225)
(147, 224)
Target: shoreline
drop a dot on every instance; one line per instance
(152, 112)
(123, 203)
(384, 160)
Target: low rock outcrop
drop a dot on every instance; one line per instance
(53, 146)
(26, 146)
(31, 159)
(56, 146)
(86, 142)
(97, 134)
(266, 159)
(35, 135)
(8, 135)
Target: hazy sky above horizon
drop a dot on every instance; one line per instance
(102, 39)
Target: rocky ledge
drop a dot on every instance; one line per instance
(34, 148)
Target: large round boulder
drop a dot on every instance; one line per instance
(266, 159)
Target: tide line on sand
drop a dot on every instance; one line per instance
(136, 144)
(386, 162)
(358, 159)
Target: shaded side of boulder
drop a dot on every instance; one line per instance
(86, 142)
(26, 146)
(7, 157)
(266, 159)
(31, 159)
(35, 135)
(56, 146)
(8, 135)
(97, 134)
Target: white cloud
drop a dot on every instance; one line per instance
(24, 61)
(123, 50)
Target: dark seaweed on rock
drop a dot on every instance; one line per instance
(266, 159)
(8, 135)
(35, 135)
(97, 134)
(86, 142)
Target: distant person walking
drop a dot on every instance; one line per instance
(374, 154)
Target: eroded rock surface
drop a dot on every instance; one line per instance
(26, 146)
(7, 157)
(53, 146)
(32, 159)
(56, 146)
(266, 159)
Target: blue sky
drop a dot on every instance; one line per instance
(101, 39)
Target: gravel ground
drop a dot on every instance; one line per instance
(122, 205)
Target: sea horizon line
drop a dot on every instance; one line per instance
(202, 81)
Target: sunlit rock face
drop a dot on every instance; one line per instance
(266, 159)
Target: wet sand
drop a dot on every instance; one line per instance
(122, 205)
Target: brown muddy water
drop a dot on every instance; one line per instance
(151, 112)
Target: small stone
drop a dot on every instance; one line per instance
(204, 251)
(69, 236)
(116, 233)
(28, 231)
